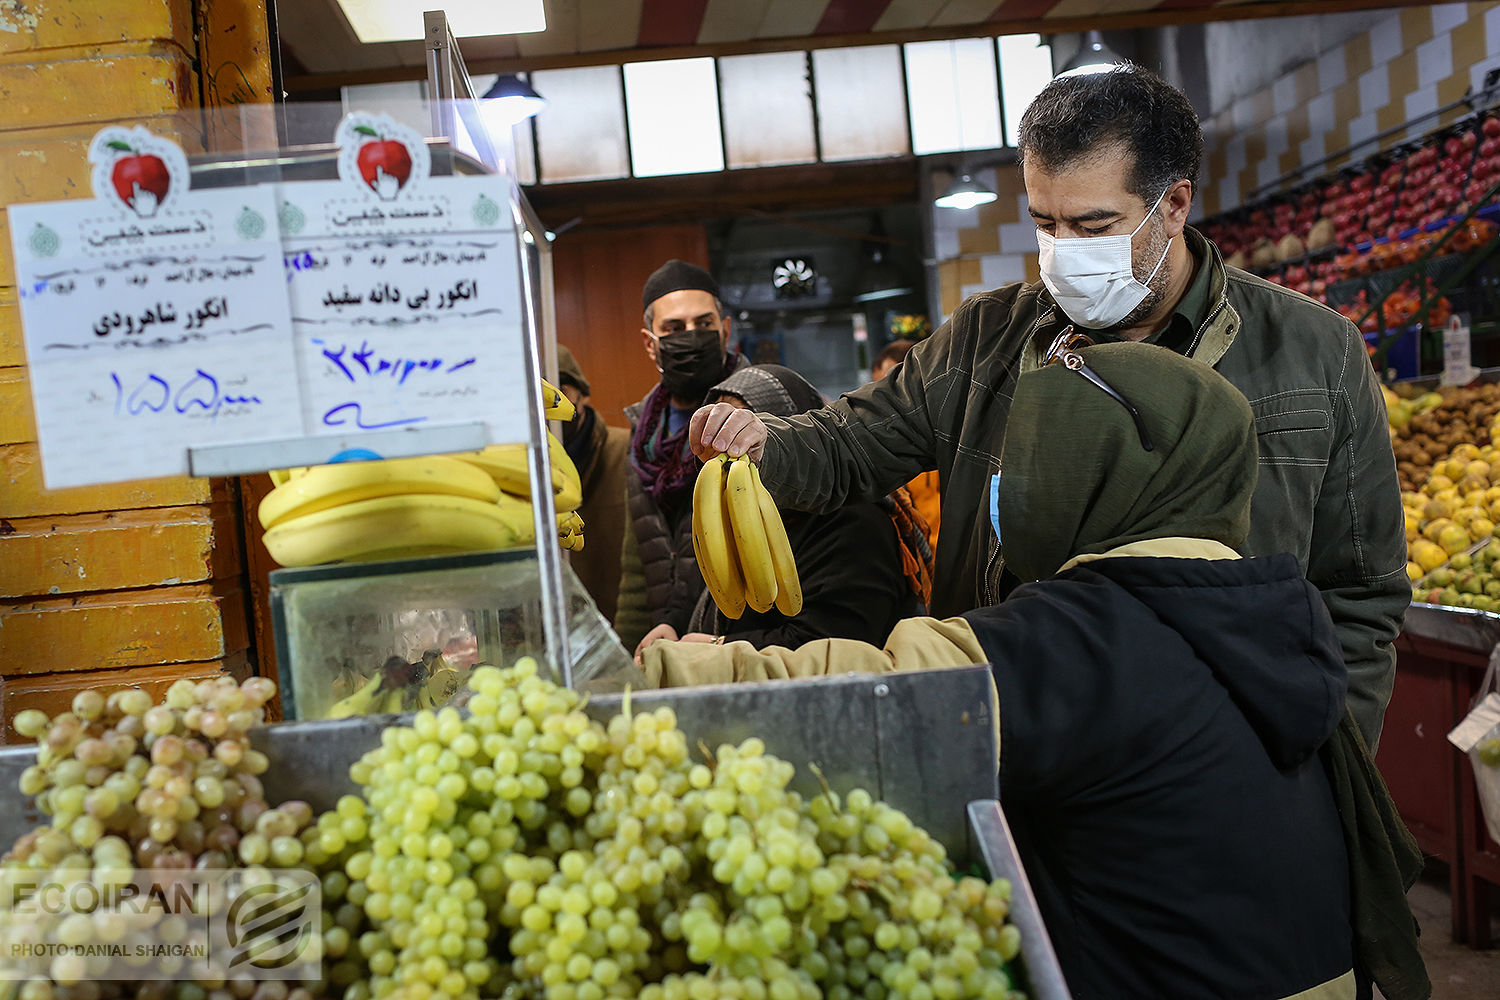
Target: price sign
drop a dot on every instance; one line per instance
(248, 325)
(405, 291)
(1458, 368)
(155, 317)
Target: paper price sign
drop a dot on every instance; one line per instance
(404, 290)
(154, 316)
(1458, 367)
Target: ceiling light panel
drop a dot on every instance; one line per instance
(401, 20)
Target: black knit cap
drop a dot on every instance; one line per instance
(771, 389)
(675, 276)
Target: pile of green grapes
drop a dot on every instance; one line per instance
(523, 850)
(142, 793)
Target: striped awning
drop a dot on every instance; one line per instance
(319, 41)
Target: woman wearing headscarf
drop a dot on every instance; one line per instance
(850, 561)
(1161, 703)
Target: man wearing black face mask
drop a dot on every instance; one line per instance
(686, 335)
(601, 454)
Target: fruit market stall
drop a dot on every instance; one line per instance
(785, 838)
(1398, 242)
(1403, 243)
(468, 822)
(1445, 443)
(1443, 653)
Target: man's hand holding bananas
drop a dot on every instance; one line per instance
(741, 542)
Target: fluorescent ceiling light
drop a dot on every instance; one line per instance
(401, 20)
(965, 193)
(509, 101)
(1093, 56)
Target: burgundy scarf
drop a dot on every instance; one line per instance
(666, 465)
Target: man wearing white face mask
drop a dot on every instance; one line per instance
(1109, 162)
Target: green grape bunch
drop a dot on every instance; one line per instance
(521, 850)
(138, 790)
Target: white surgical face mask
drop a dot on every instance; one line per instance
(1092, 277)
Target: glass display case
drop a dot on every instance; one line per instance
(400, 636)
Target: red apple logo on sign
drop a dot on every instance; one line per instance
(140, 179)
(384, 164)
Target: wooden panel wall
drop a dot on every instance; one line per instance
(598, 277)
(127, 583)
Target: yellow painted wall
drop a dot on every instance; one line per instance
(985, 247)
(1411, 61)
(126, 583)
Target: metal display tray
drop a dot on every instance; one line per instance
(923, 742)
(1466, 628)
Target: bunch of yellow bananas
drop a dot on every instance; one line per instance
(740, 541)
(399, 686)
(556, 406)
(432, 505)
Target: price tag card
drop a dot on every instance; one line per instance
(155, 317)
(1458, 367)
(405, 291)
(1484, 717)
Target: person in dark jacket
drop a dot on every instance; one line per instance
(600, 453)
(686, 335)
(1109, 162)
(1161, 701)
(849, 562)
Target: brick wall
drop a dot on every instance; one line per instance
(127, 583)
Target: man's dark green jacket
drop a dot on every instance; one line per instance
(1327, 490)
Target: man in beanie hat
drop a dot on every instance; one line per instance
(1110, 163)
(601, 454)
(1162, 703)
(686, 335)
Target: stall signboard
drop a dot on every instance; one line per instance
(160, 321)
(404, 290)
(154, 317)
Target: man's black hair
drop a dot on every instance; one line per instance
(1078, 117)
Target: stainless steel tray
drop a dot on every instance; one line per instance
(924, 742)
(1466, 628)
(998, 850)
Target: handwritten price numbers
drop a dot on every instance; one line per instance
(200, 394)
(371, 365)
(366, 365)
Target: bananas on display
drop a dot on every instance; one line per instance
(740, 541)
(506, 464)
(398, 686)
(555, 405)
(570, 531)
(326, 486)
(406, 507)
(395, 527)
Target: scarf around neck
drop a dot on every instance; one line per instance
(665, 464)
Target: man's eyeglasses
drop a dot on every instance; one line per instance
(1064, 348)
